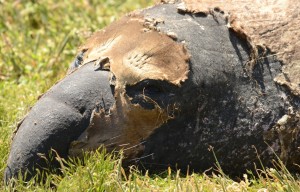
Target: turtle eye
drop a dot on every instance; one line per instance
(152, 89)
(149, 92)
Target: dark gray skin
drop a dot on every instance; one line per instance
(58, 118)
(221, 105)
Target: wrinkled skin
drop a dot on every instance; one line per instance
(182, 89)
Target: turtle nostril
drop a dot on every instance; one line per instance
(82, 110)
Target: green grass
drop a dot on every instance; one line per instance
(38, 40)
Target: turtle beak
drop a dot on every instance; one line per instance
(58, 118)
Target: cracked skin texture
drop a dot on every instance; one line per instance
(222, 117)
(129, 125)
(219, 105)
(152, 55)
(271, 24)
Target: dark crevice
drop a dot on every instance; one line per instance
(82, 110)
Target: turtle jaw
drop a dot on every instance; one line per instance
(57, 119)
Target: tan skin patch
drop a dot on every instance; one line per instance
(134, 54)
(125, 128)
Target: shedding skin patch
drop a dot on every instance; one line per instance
(268, 23)
(284, 134)
(132, 54)
(136, 55)
(290, 77)
(126, 127)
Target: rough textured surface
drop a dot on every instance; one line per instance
(58, 118)
(273, 24)
(180, 86)
(149, 55)
(221, 106)
(134, 52)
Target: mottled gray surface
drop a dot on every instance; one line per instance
(222, 106)
(58, 118)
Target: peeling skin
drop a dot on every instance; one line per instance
(285, 133)
(130, 88)
(151, 55)
(270, 24)
(126, 127)
(290, 77)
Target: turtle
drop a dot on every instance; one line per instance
(180, 84)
